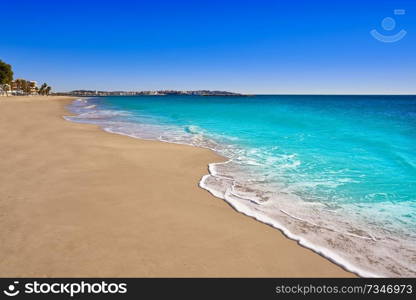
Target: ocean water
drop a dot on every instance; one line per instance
(335, 173)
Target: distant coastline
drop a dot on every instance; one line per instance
(95, 93)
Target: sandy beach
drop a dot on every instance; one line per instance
(76, 201)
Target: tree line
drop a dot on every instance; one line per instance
(21, 85)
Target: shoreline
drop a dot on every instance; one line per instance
(103, 173)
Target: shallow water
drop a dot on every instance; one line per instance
(336, 173)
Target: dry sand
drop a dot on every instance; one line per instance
(77, 201)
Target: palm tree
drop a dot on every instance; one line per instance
(6, 88)
(19, 84)
(24, 86)
(42, 89)
(48, 90)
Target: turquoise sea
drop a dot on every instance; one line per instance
(336, 173)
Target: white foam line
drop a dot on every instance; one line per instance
(330, 255)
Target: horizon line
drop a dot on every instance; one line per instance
(244, 94)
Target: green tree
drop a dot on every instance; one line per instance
(6, 73)
(20, 84)
(48, 90)
(42, 89)
(24, 86)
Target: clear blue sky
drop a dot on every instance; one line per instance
(245, 46)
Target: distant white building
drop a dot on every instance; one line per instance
(16, 89)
